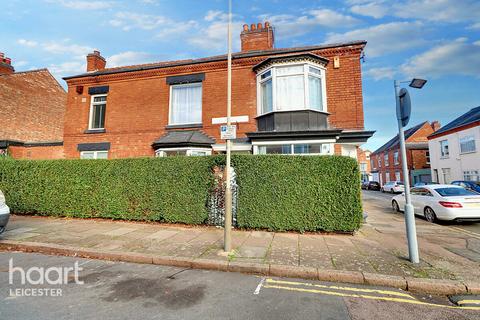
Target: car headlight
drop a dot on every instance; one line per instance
(2, 198)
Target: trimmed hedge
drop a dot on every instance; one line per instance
(302, 193)
(156, 189)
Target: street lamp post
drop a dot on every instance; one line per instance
(403, 109)
(227, 243)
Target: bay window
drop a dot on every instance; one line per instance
(186, 104)
(294, 148)
(287, 87)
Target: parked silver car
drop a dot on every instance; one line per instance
(4, 213)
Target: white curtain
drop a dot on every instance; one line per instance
(186, 104)
(290, 92)
(315, 93)
(267, 102)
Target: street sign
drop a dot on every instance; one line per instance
(228, 132)
(404, 108)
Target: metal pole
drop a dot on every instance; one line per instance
(409, 214)
(228, 187)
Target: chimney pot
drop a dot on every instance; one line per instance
(2, 55)
(257, 38)
(95, 61)
(5, 65)
(435, 125)
(8, 61)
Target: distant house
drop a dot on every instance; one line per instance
(364, 164)
(455, 149)
(303, 100)
(32, 105)
(386, 160)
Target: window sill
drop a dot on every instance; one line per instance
(468, 152)
(90, 131)
(184, 126)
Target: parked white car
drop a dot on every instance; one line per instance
(4, 213)
(442, 202)
(393, 187)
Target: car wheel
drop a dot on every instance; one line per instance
(429, 214)
(395, 206)
(391, 191)
(383, 190)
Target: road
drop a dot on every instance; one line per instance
(116, 290)
(384, 199)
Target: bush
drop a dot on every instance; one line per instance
(303, 193)
(157, 189)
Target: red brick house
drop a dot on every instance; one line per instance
(364, 164)
(32, 105)
(290, 101)
(386, 161)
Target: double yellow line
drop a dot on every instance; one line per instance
(467, 232)
(392, 296)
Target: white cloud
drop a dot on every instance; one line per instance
(374, 9)
(27, 43)
(20, 63)
(215, 15)
(475, 26)
(83, 5)
(128, 58)
(67, 68)
(287, 25)
(380, 73)
(384, 38)
(439, 10)
(130, 20)
(457, 57)
(66, 48)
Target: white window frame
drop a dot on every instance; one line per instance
(442, 155)
(95, 154)
(292, 144)
(306, 65)
(386, 159)
(189, 150)
(193, 84)
(395, 157)
(470, 138)
(468, 175)
(93, 103)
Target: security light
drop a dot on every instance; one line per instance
(417, 83)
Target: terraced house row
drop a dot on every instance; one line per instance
(303, 100)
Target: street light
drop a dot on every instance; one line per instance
(402, 99)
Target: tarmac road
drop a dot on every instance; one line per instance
(116, 290)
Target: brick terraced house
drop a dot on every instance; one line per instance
(305, 100)
(32, 108)
(386, 162)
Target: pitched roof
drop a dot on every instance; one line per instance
(467, 118)
(184, 138)
(32, 105)
(237, 55)
(395, 140)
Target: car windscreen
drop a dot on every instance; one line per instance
(454, 192)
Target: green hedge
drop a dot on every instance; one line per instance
(303, 193)
(157, 189)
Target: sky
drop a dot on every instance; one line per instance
(438, 40)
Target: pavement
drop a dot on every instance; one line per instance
(376, 254)
(117, 290)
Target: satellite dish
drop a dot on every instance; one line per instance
(404, 108)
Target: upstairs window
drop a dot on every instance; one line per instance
(386, 159)
(444, 149)
(467, 144)
(97, 112)
(395, 157)
(186, 104)
(292, 87)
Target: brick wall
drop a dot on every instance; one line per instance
(36, 153)
(138, 102)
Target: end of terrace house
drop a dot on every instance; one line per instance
(301, 100)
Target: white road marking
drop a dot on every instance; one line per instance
(260, 284)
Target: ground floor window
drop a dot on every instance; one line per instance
(170, 152)
(471, 175)
(94, 155)
(446, 175)
(397, 175)
(294, 148)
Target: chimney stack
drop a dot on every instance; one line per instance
(435, 125)
(5, 65)
(95, 61)
(257, 37)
